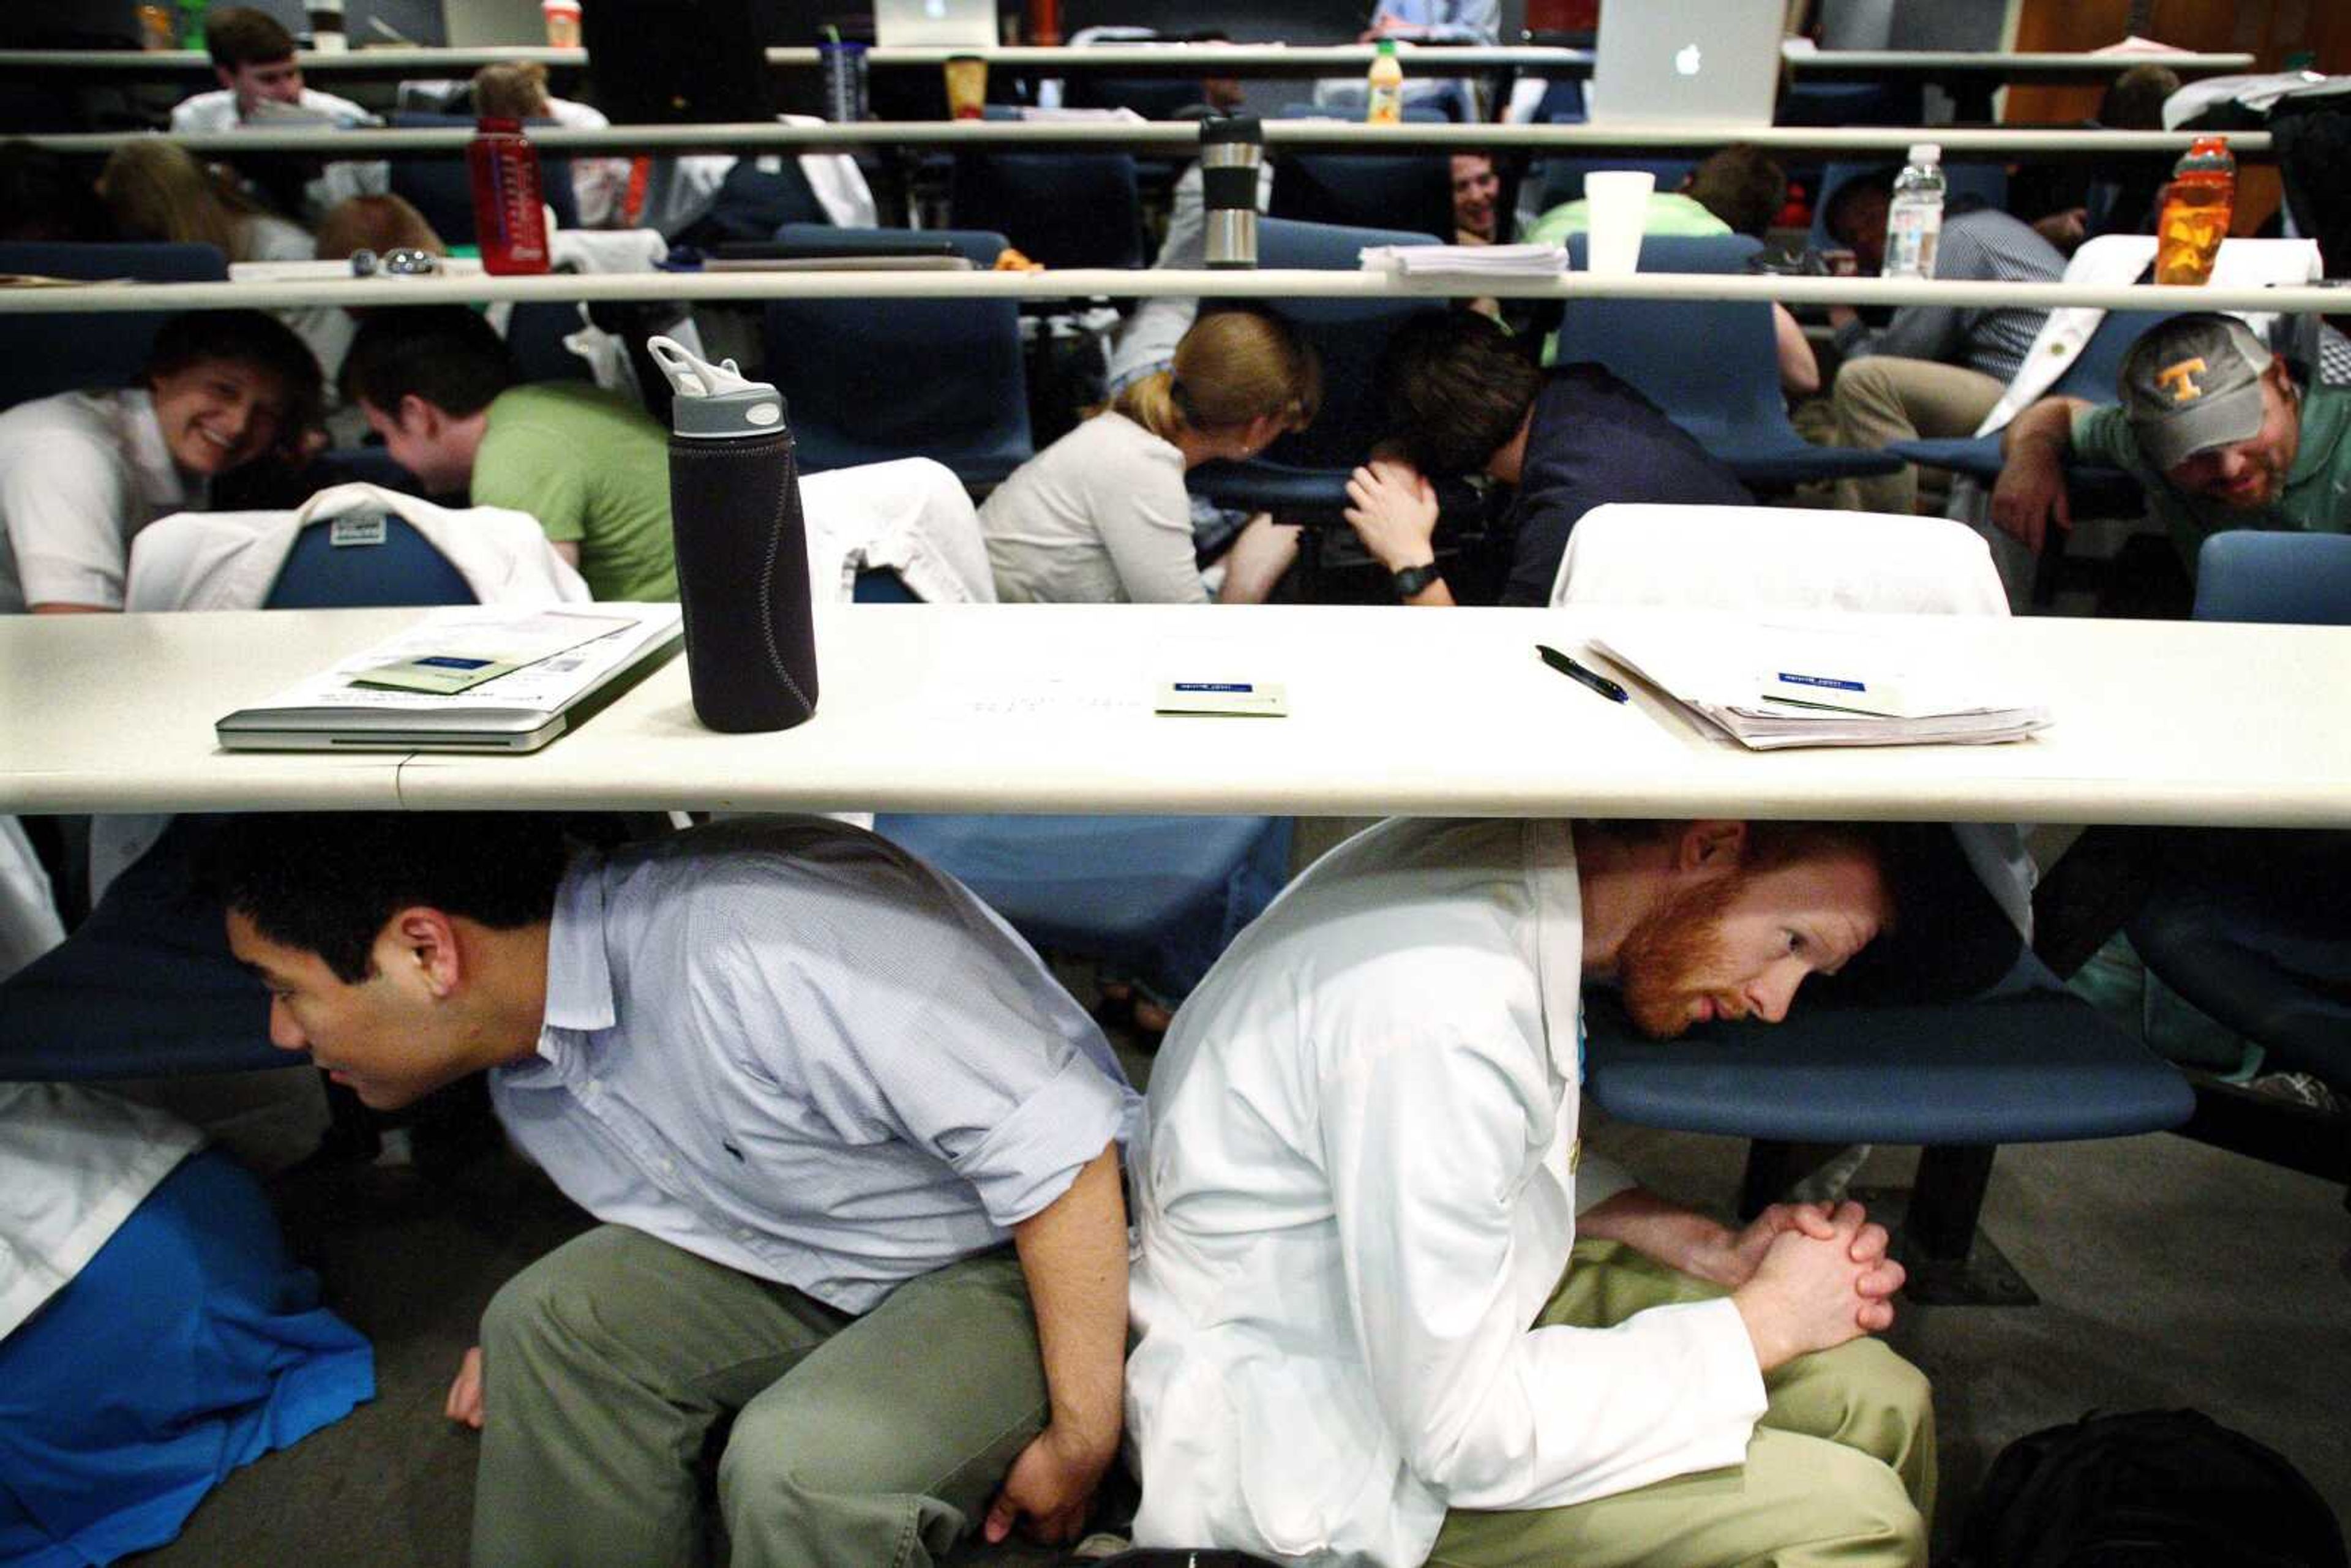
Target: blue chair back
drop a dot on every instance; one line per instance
(441, 189)
(870, 380)
(1063, 209)
(1711, 364)
(1408, 191)
(2097, 371)
(1985, 182)
(1562, 178)
(535, 334)
(1350, 336)
(402, 568)
(41, 355)
(2302, 580)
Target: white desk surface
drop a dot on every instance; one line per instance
(1173, 138)
(1046, 708)
(1168, 58)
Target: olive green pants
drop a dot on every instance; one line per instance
(613, 1367)
(1841, 1470)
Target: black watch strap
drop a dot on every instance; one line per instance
(1413, 579)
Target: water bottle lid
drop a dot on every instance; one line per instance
(1220, 128)
(1925, 152)
(714, 402)
(1387, 45)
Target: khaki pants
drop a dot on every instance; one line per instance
(866, 1442)
(1883, 399)
(1841, 1470)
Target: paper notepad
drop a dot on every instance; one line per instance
(1772, 686)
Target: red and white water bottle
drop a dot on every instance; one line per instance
(509, 216)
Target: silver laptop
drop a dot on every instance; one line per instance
(936, 24)
(1691, 62)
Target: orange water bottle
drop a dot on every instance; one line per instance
(2197, 206)
(1383, 102)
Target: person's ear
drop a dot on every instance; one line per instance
(417, 417)
(1712, 844)
(420, 942)
(226, 76)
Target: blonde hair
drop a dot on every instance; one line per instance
(156, 190)
(516, 92)
(378, 224)
(1232, 367)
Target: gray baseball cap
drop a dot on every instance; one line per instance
(2193, 383)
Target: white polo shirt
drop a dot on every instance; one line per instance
(79, 474)
(213, 113)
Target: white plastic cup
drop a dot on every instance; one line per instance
(1617, 200)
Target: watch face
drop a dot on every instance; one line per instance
(1413, 578)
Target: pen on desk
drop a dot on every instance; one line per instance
(1582, 676)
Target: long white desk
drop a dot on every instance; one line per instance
(1082, 283)
(1046, 708)
(1173, 138)
(1174, 59)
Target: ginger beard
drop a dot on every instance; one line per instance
(1661, 966)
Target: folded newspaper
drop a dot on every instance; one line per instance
(1772, 686)
(465, 678)
(1466, 260)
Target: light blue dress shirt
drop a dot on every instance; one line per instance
(793, 1048)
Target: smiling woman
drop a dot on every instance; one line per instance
(82, 471)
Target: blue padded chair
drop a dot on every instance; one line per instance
(1562, 178)
(1063, 209)
(1410, 190)
(1982, 182)
(871, 380)
(2251, 928)
(41, 355)
(441, 187)
(146, 986)
(535, 332)
(1155, 898)
(1307, 470)
(1712, 365)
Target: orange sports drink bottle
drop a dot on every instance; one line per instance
(2197, 206)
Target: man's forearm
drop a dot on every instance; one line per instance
(2046, 425)
(1073, 1254)
(1675, 1237)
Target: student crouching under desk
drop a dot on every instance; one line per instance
(851, 1144)
(1386, 1310)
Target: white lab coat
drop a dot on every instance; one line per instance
(1355, 1187)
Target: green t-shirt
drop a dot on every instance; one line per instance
(1670, 213)
(2317, 495)
(594, 470)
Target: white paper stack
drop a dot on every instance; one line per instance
(1466, 260)
(1772, 686)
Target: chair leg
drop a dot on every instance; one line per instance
(1949, 1263)
(1773, 1166)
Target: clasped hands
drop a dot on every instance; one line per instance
(1806, 1277)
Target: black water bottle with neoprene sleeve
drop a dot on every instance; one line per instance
(742, 546)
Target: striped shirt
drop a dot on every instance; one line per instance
(1984, 246)
(793, 1048)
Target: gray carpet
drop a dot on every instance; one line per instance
(2170, 1274)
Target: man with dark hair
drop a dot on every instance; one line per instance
(82, 471)
(853, 1149)
(1738, 189)
(2214, 427)
(260, 81)
(1933, 370)
(1389, 1309)
(441, 389)
(1464, 398)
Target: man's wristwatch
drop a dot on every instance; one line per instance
(1412, 580)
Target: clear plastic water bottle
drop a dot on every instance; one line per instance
(1914, 217)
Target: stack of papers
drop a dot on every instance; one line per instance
(1770, 687)
(1466, 260)
(467, 678)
